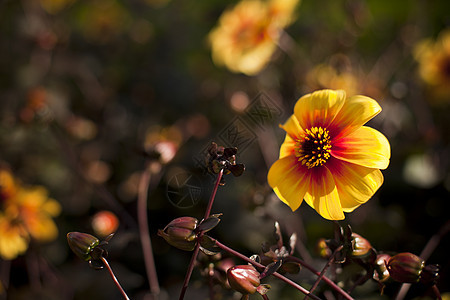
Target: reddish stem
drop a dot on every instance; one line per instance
(324, 278)
(116, 282)
(322, 273)
(145, 235)
(197, 246)
(277, 275)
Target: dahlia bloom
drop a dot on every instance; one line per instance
(434, 65)
(25, 213)
(247, 35)
(328, 157)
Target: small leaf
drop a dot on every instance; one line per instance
(278, 236)
(228, 152)
(237, 170)
(263, 289)
(208, 245)
(271, 268)
(208, 224)
(256, 257)
(292, 242)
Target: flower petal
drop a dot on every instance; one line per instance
(366, 147)
(355, 184)
(289, 181)
(293, 132)
(319, 108)
(355, 112)
(323, 194)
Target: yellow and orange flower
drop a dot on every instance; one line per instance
(434, 65)
(328, 157)
(25, 213)
(247, 35)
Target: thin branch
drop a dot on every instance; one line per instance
(189, 271)
(325, 268)
(197, 246)
(116, 282)
(324, 278)
(425, 254)
(145, 235)
(277, 275)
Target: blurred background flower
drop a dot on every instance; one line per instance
(247, 34)
(433, 57)
(26, 212)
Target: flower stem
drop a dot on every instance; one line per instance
(324, 278)
(431, 245)
(145, 235)
(322, 273)
(436, 292)
(277, 275)
(197, 246)
(213, 195)
(105, 262)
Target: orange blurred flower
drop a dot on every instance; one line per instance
(25, 212)
(434, 64)
(104, 223)
(247, 35)
(328, 157)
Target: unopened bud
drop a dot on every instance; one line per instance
(405, 267)
(180, 233)
(244, 279)
(381, 272)
(82, 244)
(323, 249)
(361, 246)
(430, 274)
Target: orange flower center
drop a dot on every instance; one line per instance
(313, 148)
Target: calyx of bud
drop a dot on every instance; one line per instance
(180, 233)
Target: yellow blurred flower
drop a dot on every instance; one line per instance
(328, 157)
(36, 211)
(246, 35)
(434, 64)
(13, 238)
(25, 212)
(336, 76)
(55, 6)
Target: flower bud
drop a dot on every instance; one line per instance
(405, 267)
(430, 274)
(381, 272)
(244, 279)
(323, 249)
(180, 233)
(82, 244)
(361, 246)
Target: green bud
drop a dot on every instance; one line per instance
(180, 233)
(82, 244)
(244, 279)
(405, 267)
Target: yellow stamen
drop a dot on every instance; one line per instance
(313, 148)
